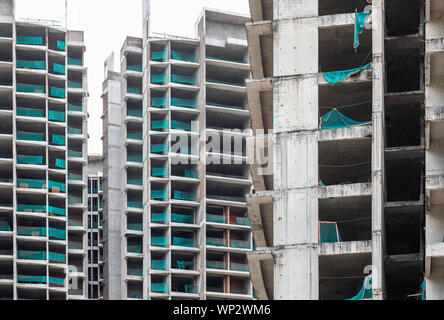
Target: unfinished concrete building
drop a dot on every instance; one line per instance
(43, 159)
(338, 116)
(175, 225)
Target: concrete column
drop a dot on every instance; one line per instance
(296, 149)
(378, 149)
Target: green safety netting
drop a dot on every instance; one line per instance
(75, 131)
(56, 186)
(135, 181)
(38, 41)
(212, 264)
(31, 279)
(159, 264)
(30, 88)
(57, 257)
(135, 248)
(30, 112)
(58, 140)
(241, 244)
(159, 241)
(75, 154)
(74, 108)
(75, 176)
(191, 173)
(135, 272)
(187, 196)
(183, 56)
(159, 124)
(74, 62)
(74, 200)
(180, 125)
(59, 163)
(133, 90)
(4, 226)
(56, 116)
(159, 55)
(57, 92)
(159, 78)
(360, 18)
(74, 84)
(159, 194)
(159, 287)
(366, 292)
(135, 226)
(31, 208)
(5, 156)
(159, 217)
(58, 68)
(137, 113)
(239, 267)
(159, 172)
(187, 103)
(215, 218)
(57, 211)
(179, 78)
(60, 45)
(218, 242)
(135, 204)
(137, 158)
(31, 64)
(134, 294)
(37, 160)
(135, 135)
(339, 76)
(31, 183)
(329, 232)
(239, 84)
(190, 288)
(31, 255)
(31, 231)
(422, 295)
(57, 233)
(242, 221)
(159, 148)
(159, 102)
(182, 218)
(335, 119)
(184, 265)
(57, 281)
(135, 67)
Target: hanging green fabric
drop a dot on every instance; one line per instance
(183, 56)
(57, 92)
(159, 55)
(59, 163)
(159, 78)
(74, 62)
(360, 18)
(159, 102)
(158, 264)
(30, 112)
(56, 116)
(61, 45)
(329, 232)
(335, 119)
(57, 211)
(334, 77)
(58, 68)
(4, 226)
(57, 234)
(366, 292)
(423, 290)
(58, 140)
(57, 257)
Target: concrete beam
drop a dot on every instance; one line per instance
(364, 76)
(352, 133)
(254, 33)
(342, 248)
(257, 277)
(254, 90)
(337, 20)
(347, 190)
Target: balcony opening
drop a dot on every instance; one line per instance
(159, 75)
(404, 179)
(240, 286)
(27, 227)
(226, 76)
(403, 125)
(184, 285)
(183, 261)
(159, 237)
(159, 51)
(183, 238)
(216, 238)
(159, 261)
(134, 109)
(216, 261)
(403, 70)
(184, 98)
(239, 263)
(134, 268)
(228, 53)
(219, 191)
(220, 119)
(159, 284)
(159, 98)
(185, 171)
(403, 20)
(184, 52)
(215, 284)
(135, 291)
(184, 75)
(159, 214)
(235, 171)
(226, 99)
(35, 36)
(184, 215)
(56, 65)
(330, 7)
(184, 121)
(134, 62)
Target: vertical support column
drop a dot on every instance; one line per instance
(378, 149)
(296, 149)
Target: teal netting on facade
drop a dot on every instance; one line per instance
(159, 194)
(241, 244)
(135, 204)
(366, 292)
(31, 208)
(155, 148)
(159, 241)
(334, 77)
(4, 226)
(187, 150)
(30, 88)
(329, 232)
(182, 218)
(215, 218)
(213, 264)
(60, 163)
(190, 288)
(238, 84)
(74, 62)
(135, 272)
(56, 116)
(57, 211)
(36, 41)
(159, 55)
(31, 183)
(335, 119)
(56, 186)
(159, 217)
(31, 255)
(75, 131)
(135, 294)
(183, 56)
(184, 79)
(74, 200)
(133, 90)
(180, 125)
(191, 173)
(159, 102)
(186, 196)
(185, 265)
(58, 68)
(159, 172)
(159, 124)
(74, 108)
(61, 45)
(135, 226)
(57, 234)
(135, 181)
(239, 267)
(159, 287)
(135, 67)
(58, 140)
(159, 78)
(184, 242)
(136, 113)
(135, 136)
(57, 92)
(31, 64)
(243, 221)
(57, 281)
(31, 231)
(218, 242)
(134, 248)
(30, 112)
(75, 176)
(360, 18)
(158, 264)
(186, 103)
(75, 84)
(75, 154)
(31, 279)
(423, 290)
(136, 158)
(30, 136)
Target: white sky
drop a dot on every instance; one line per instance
(106, 24)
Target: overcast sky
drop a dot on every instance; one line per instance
(106, 24)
